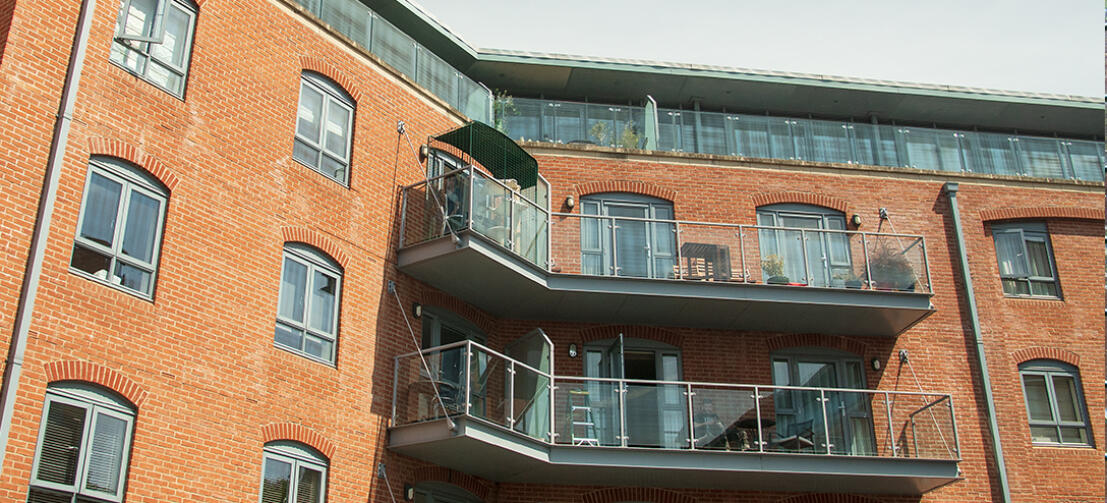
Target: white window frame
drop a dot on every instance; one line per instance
(315, 261)
(141, 43)
(1047, 369)
(132, 180)
(298, 456)
(94, 403)
(1027, 232)
(332, 93)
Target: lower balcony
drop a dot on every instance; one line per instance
(466, 407)
(481, 240)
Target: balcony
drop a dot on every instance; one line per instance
(803, 139)
(463, 402)
(476, 238)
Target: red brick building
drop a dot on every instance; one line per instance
(229, 227)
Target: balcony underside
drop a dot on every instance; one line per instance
(496, 454)
(504, 285)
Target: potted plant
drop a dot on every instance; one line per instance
(891, 270)
(772, 267)
(847, 279)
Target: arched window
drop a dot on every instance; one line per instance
(83, 445)
(624, 243)
(782, 251)
(1054, 403)
(799, 413)
(324, 126)
(307, 313)
(1025, 259)
(292, 471)
(119, 229)
(153, 40)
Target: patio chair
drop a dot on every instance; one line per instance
(799, 436)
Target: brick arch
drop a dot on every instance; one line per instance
(475, 316)
(298, 433)
(323, 67)
(828, 498)
(465, 481)
(766, 198)
(131, 154)
(1042, 212)
(97, 374)
(313, 238)
(614, 494)
(1044, 353)
(652, 333)
(632, 187)
(817, 340)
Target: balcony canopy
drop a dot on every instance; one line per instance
(495, 151)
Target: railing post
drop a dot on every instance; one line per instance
(470, 196)
(757, 406)
(926, 262)
(691, 419)
(468, 378)
(891, 434)
(826, 424)
(614, 249)
(680, 257)
(403, 215)
(742, 250)
(510, 394)
(953, 424)
(806, 266)
(622, 413)
(552, 387)
(549, 237)
(868, 270)
(395, 386)
(510, 234)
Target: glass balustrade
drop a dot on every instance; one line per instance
(471, 380)
(806, 139)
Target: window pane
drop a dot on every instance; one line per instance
(309, 489)
(333, 168)
(293, 289)
(172, 48)
(128, 57)
(61, 443)
(142, 225)
(318, 347)
(41, 496)
(91, 262)
(163, 76)
(101, 209)
(338, 124)
(288, 336)
(323, 292)
(132, 277)
(276, 481)
(305, 153)
(1044, 434)
(1073, 435)
(140, 17)
(1037, 398)
(1038, 256)
(1009, 251)
(1064, 389)
(1045, 288)
(106, 458)
(1016, 287)
(308, 120)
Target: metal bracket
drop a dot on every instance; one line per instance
(903, 356)
(391, 286)
(400, 127)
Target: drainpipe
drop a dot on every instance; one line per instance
(981, 359)
(33, 270)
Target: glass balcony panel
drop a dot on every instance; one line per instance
(529, 237)
(522, 119)
(393, 46)
(350, 18)
(798, 421)
(427, 393)
(587, 412)
(1041, 157)
(1086, 160)
(492, 209)
(488, 384)
(992, 153)
(933, 149)
(713, 137)
(709, 252)
(829, 142)
(433, 208)
(530, 403)
(750, 136)
(781, 144)
(656, 415)
(725, 418)
(896, 263)
(473, 99)
(927, 423)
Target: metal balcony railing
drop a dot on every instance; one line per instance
(804, 139)
(467, 379)
(598, 245)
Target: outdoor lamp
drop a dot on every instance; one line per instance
(875, 363)
(572, 350)
(409, 492)
(570, 201)
(855, 220)
(416, 310)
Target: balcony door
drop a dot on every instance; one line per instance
(848, 415)
(626, 244)
(827, 253)
(655, 412)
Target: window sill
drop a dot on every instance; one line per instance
(1032, 297)
(179, 97)
(306, 356)
(1062, 446)
(134, 293)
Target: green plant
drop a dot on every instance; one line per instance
(773, 265)
(629, 137)
(599, 132)
(602, 133)
(502, 106)
(890, 268)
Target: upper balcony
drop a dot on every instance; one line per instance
(481, 240)
(770, 137)
(462, 402)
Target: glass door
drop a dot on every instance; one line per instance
(632, 246)
(794, 246)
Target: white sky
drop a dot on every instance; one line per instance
(1049, 46)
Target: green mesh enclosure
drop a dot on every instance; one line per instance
(495, 151)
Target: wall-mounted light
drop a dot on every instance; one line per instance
(424, 152)
(570, 201)
(855, 220)
(573, 350)
(875, 363)
(416, 310)
(409, 492)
